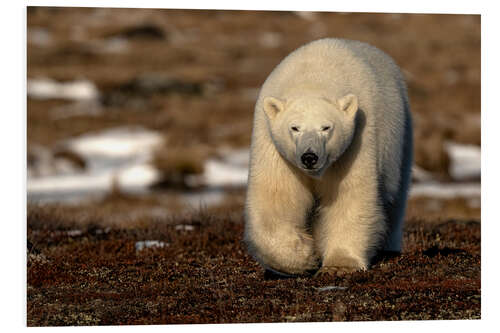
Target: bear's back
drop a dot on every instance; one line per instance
(334, 68)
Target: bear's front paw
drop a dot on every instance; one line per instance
(289, 253)
(335, 271)
(297, 257)
(305, 254)
(340, 262)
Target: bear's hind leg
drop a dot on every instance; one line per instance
(395, 221)
(395, 204)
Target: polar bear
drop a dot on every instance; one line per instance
(330, 160)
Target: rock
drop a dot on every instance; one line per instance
(146, 31)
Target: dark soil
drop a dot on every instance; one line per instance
(204, 275)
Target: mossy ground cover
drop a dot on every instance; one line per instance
(84, 273)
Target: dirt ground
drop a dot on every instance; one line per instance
(194, 76)
(81, 271)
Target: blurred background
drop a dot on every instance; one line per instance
(147, 113)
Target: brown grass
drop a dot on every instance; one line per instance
(205, 275)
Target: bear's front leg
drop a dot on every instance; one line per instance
(289, 252)
(275, 229)
(349, 229)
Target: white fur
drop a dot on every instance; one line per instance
(339, 215)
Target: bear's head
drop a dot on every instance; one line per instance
(311, 133)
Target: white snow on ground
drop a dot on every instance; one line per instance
(203, 198)
(230, 170)
(121, 156)
(465, 165)
(79, 90)
(420, 175)
(465, 161)
(328, 288)
(117, 143)
(185, 227)
(74, 233)
(141, 245)
(118, 156)
(445, 190)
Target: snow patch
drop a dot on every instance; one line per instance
(43, 162)
(74, 233)
(209, 197)
(465, 161)
(230, 170)
(185, 227)
(328, 288)
(137, 175)
(79, 90)
(420, 175)
(119, 156)
(445, 190)
(141, 245)
(116, 143)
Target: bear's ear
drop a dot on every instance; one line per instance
(272, 106)
(348, 104)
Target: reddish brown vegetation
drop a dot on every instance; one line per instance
(206, 276)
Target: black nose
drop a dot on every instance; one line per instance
(309, 159)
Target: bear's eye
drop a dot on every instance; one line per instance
(295, 128)
(325, 128)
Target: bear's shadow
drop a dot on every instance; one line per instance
(270, 275)
(381, 256)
